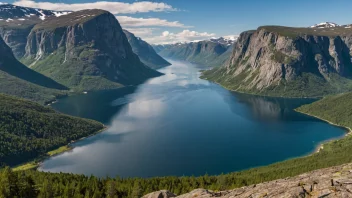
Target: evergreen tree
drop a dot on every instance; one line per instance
(137, 190)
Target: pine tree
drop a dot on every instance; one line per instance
(111, 190)
(137, 190)
(9, 183)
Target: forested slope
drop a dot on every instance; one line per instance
(28, 130)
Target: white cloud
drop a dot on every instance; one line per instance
(113, 7)
(231, 37)
(141, 32)
(127, 21)
(185, 36)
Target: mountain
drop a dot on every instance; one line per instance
(325, 25)
(29, 130)
(17, 79)
(291, 62)
(16, 23)
(224, 41)
(145, 52)
(214, 52)
(85, 50)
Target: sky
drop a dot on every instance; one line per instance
(170, 21)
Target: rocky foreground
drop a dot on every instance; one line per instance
(330, 182)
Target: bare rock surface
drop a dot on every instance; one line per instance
(329, 182)
(160, 194)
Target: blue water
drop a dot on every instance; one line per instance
(178, 124)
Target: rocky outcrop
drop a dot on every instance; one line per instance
(213, 52)
(16, 39)
(160, 194)
(284, 61)
(145, 52)
(85, 50)
(330, 182)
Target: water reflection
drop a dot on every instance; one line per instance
(178, 124)
(268, 109)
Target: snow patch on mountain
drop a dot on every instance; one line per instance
(57, 14)
(325, 25)
(226, 40)
(18, 12)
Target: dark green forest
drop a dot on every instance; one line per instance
(29, 130)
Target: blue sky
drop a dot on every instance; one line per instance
(167, 21)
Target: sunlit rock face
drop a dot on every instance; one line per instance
(284, 61)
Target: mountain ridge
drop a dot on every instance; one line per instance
(210, 53)
(83, 47)
(289, 62)
(145, 52)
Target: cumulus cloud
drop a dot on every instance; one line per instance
(231, 37)
(113, 7)
(167, 37)
(128, 21)
(141, 32)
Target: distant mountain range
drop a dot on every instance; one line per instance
(210, 53)
(16, 23)
(325, 25)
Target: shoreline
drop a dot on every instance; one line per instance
(321, 145)
(35, 163)
(256, 94)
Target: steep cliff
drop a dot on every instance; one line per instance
(16, 23)
(17, 79)
(283, 61)
(145, 52)
(85, 50)
(213, 52)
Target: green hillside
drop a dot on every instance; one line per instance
(29, 130)
(336, 109)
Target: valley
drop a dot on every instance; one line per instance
(208, 53)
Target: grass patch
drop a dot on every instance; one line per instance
(62, 149)
(27, 166)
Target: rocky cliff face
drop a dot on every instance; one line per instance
(330, 182)
(10, 65)
(284, 61)
(18, 80)
(145, 52)
(16, 23)
(213, 52)
(85, 50)
(16, 38)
